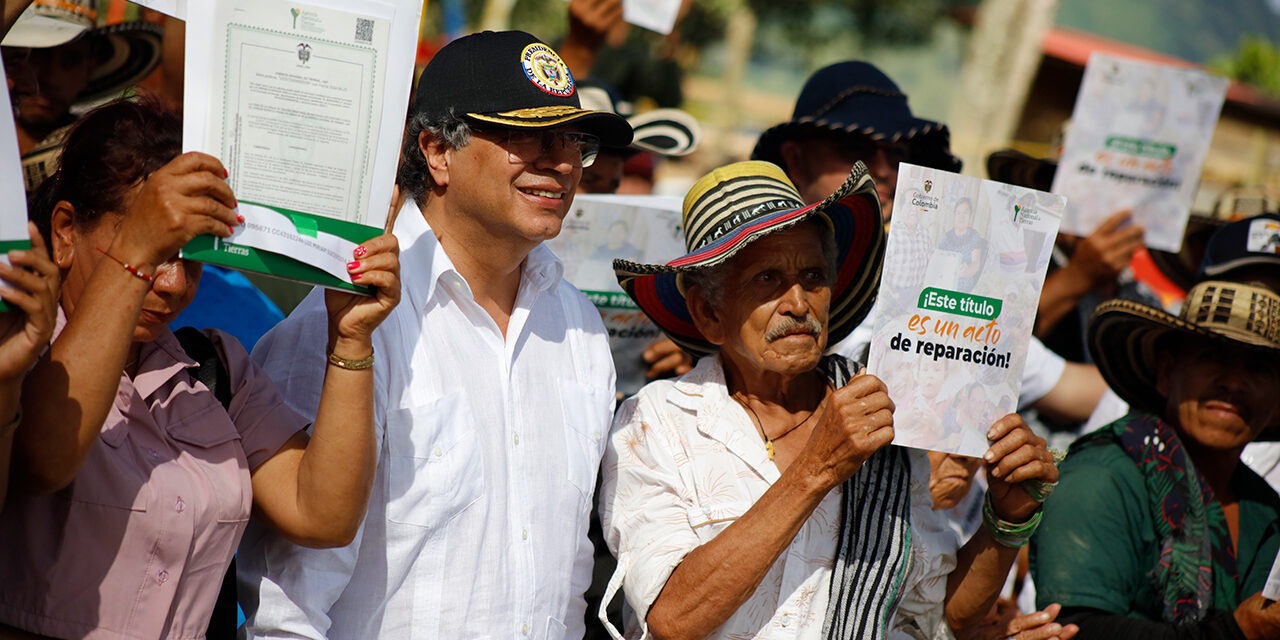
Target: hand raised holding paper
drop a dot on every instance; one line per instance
(353, 317)
(185, 198)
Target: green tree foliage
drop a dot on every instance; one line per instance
(900, 22)
(1255, 62)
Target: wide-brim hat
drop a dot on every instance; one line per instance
(735, 205)
(512, 80)
(666, 132)
(855, 97)
(1125, 336)
(126, 53)
(123, 53)
(49, 23)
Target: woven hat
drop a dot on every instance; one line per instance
(49, 23)
(737, 204)
(856, 97)
(666, 132)
(123, 53)
(510, 79)
(126, 53)
(1124, 335)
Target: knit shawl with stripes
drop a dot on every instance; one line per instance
(873, 551)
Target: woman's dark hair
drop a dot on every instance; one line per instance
(108, 151)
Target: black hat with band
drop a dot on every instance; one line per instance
(510, 79)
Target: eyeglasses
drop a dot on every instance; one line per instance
(528, 146)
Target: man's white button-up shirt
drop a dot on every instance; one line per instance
(477, 526)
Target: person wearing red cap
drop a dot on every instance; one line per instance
(496, 387)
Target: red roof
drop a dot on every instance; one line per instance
(1074, 47)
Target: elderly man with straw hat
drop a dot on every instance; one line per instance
(759, 495)
(1158, 530)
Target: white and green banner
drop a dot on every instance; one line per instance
(1137, 141)
(600, 228)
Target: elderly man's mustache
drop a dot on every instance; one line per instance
(791, 326)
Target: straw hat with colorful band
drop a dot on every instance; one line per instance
(510, 79)
(856, 97)
(1124, 335)
(734, 205)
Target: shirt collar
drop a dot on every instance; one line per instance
(704, 392)
(423, 264)
(158, 361)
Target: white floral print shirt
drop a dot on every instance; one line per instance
(684, 461)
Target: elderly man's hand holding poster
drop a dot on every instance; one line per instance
(304, 103)
(1138, 138)
(963, 269)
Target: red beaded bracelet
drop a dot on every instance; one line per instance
(133, 271)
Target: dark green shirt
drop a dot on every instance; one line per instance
(1096, 546)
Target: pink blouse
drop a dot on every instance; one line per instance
(138, 544)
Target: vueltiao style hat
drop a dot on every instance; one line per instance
(123, 53)
(510, 79)
(1124, 335)
(666, 132)
(49, 23)
(857, 97)
(737, 204)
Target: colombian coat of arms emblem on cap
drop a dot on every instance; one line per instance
(545, 69)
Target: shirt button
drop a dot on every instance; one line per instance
(153, 453)
(179, 505)
(162, 577)
(524, 629)
(438, 452)
(516, 438)
(524, 534)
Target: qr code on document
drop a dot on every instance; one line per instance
(364, 30)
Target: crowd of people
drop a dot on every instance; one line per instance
(460, 454)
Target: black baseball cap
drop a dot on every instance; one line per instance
(513, 80)
(1244, 243)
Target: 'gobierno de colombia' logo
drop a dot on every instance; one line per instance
(546, 70)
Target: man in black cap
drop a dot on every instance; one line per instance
(851, 111)
(494, 382)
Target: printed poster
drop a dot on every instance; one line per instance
(600, 228)
(1138, 139)
(963, 269)
(304, 103)
(13, 216)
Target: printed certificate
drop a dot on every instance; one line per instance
(963, 270)
(304, 105)
(600, 228)
(1138, 139)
